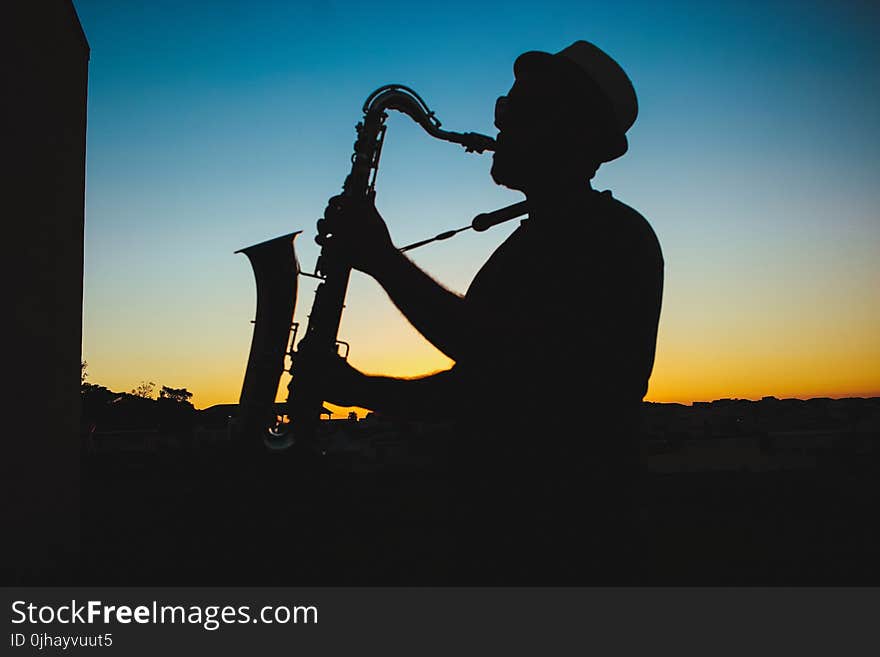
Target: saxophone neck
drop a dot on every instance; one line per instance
(403, 99)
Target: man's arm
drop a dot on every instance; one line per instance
(435, 395)
(355, 228)
(435, 312)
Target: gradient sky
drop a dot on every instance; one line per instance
(213, 126)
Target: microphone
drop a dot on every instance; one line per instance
(481, 222)
(486, 220)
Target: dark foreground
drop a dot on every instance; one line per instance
(209, 517)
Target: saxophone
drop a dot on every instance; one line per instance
(305, 400)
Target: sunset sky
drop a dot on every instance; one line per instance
(216, 125)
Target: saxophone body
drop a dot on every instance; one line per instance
(305, 399)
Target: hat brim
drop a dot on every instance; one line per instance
(539, 62)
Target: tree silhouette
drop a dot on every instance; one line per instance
(178, 395)
(144, 389)
(84, 386)
(175, 412)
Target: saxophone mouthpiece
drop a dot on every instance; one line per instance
(474, 142)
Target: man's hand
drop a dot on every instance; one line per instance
(355, 230)
(338, 382)
(343, 384)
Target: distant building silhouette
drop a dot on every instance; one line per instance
(44, 148)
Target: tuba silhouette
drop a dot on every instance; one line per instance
(276, 270)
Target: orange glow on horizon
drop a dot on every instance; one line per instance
(210, 391)
(662, 389)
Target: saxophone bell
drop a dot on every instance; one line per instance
(276, 271)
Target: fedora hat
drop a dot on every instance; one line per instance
(588, 64)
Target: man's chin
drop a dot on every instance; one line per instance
(504, 176)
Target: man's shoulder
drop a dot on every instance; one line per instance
(627, 222)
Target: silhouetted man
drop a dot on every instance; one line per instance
(553, 342)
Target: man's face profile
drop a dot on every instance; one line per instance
(540, 134)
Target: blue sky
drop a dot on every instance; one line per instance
(213, 126)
